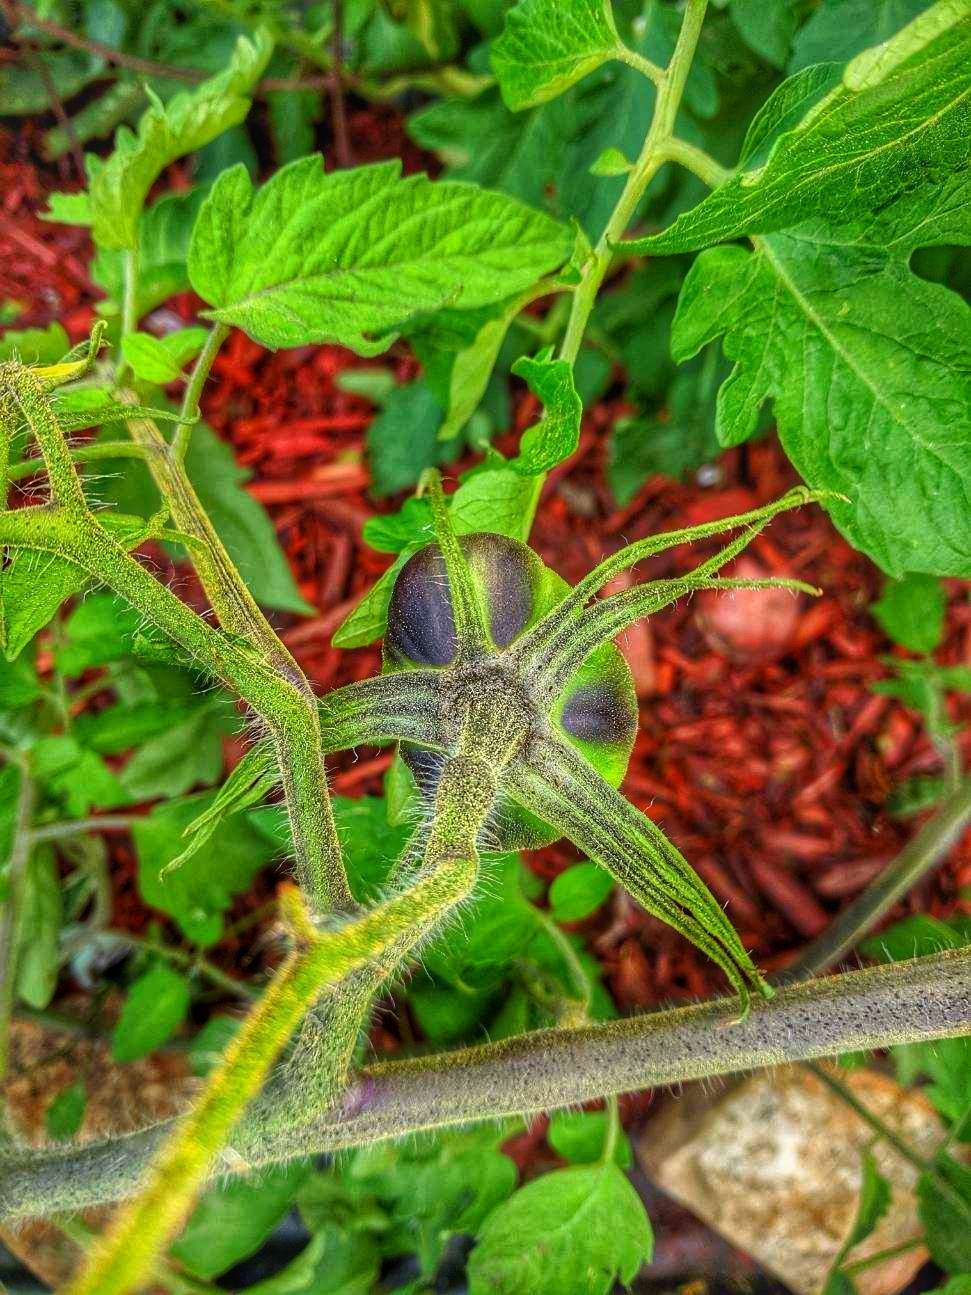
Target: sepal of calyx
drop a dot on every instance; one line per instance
(490, 653)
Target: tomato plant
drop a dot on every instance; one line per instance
(578, 139)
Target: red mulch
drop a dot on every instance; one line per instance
(771, 774)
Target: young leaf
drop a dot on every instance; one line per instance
(161, 359)
(352, 256)
(577, 1230)
(911, 612)
(120, 185)
(900, 111)
(556, 436)
(547, 45)
(154, 1008)
(579, 891)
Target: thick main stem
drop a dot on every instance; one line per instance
(928, 998)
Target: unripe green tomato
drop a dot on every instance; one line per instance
(597, 710)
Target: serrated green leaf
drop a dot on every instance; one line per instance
(911, 612)
(434, 1188)
(119, 186)
(868, 368)
(154, 1008)
(547, 45)
(903, 110)
(78, 778)
(352, 256)
(556, 436)
(99, 630)
(872, 1204)
(576, 1229)
(785, 107)
(579, 891)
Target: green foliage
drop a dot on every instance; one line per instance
(944, 1205)
(154, 1008)
(233, 1219)
(911, 612)
(579, 891)
(198, 892)
(576, 1229)
(353, 256)
(834, 313)
(65, 1114)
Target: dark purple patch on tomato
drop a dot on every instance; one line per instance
(595, 712)
(500, 567)
(421, 627)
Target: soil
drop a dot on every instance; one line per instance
(762, 749)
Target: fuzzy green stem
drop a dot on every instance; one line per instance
(653, 155)
(193, 392)
(81, 454)
(697, 161)
(926, 998)
(126, 1257)
(129, 304)
(11, 909)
